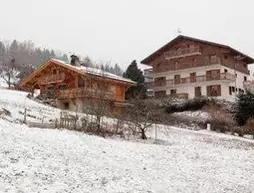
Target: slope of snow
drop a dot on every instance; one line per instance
(17, 101)
(194, 114)
(36, 160)
(44, 160)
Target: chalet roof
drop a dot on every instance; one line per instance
(95, 71)
(171, 43)
(81, 70)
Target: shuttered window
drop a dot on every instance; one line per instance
(214, 90)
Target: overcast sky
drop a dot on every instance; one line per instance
(122, 30)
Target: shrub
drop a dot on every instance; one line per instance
(189, 105)
(219, 119)
(249, 127)
(244, 107)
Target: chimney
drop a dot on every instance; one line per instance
(75, 61)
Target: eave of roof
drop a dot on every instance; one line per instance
(165, 47)
(73, 68)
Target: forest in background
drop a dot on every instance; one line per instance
(25, 56)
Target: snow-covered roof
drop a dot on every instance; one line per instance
(96, 72)
(144, 67)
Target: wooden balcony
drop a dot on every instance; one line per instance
(161, 85)
(50, 79)
(182, 53)
(201, 62)
(82, 93)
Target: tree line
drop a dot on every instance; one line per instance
(25, 53)
(23, 57)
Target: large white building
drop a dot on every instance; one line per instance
(188, 67)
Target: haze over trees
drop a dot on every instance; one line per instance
(24, 57)
(25, 53)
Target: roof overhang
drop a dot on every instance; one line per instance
(148, 59)
(25, 81)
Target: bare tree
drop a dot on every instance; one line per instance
(9, 72)
(98, 99)
(141, 115)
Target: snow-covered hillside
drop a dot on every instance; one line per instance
(16, 102)
(46, 160)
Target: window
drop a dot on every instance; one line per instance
(230, 90)
(62, 87)
(225, 57)
(173, 91)
(160, 81)
(192, 48)
(225, 70)
(66, 105)
(159, 94)
(177, 79)
(235, 75)
(81, 82)
(176, 64)
(213, 90)
(245, 78)
(54, 71)
(193, 77)
(233, 89)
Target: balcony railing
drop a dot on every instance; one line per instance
(160, 85)
(182, 52)
(200, 62)
(83, 92)
(52, 79)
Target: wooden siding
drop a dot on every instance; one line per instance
(203, 56)
(59, 82)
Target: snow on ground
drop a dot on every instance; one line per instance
(44, 160)
(194, 114)
(17, 101)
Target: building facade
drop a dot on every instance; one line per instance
(188, 67)
(72, 86)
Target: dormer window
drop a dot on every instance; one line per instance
(81, 82)
(54, 71)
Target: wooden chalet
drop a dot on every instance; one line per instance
(71, 85)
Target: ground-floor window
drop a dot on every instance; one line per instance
(159, 94)
(198, 91)
(66, 105)
(173, 91)
(214, 90)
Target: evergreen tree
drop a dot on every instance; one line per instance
(135, 74)
(52, 54)
(244, 107)
(2, 49)
(14, 49)
(65, 58)
(117, 70)
(2, 53)
(87, 62)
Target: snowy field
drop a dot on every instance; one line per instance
(41, 160)
(45, 160)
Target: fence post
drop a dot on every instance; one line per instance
(155, 130)
(24, 121)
